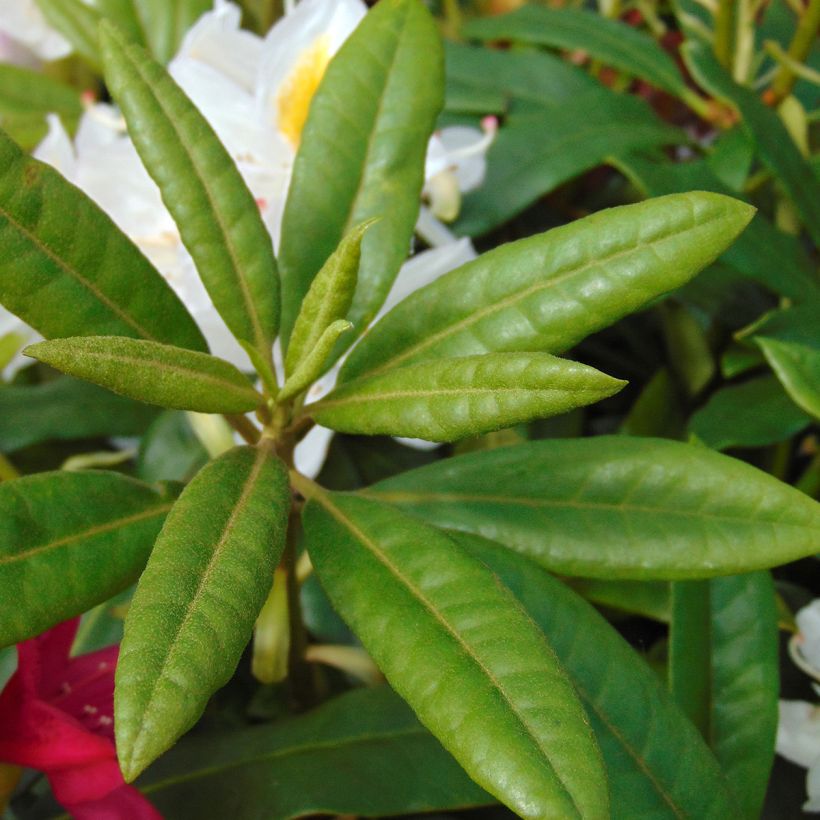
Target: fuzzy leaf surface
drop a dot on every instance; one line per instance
(69, 541)
(196, 603)
(548, 292)
(616, 507)
(362, 155)
(449, 399)
(218, 219)
(150, 372)
(67, 270)
(457, 648)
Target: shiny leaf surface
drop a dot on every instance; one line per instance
(798, 368)
(196, 603)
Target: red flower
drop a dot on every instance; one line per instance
(56, 716)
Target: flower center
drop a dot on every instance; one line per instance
(299, 87)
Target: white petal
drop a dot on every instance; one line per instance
(436, 160)
(56, 148)
(311, 451)
(418, 443)
(466, 151)
(813, 788)
(23, 22)
(25, 335)
(798, 732)
(808, 623)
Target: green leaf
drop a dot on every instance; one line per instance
(329, 298)
(775, 146)
(539, 147)
(657, 764)
(97, 284)
(547, 292)
(69, 541)
(124, 15)
(150, 372)
(362, 754)
(218, 219)
(798, 368)
(362, 155)
(170, 450)
(616, 507)
(77, 22)
(196, 602)
(657, 411)
(453, 643)
(165, 23)
(611, 42)
(66, 410)
(724, 651)
(647, 598)
(754, 413)
(23, 91)
(449, 399)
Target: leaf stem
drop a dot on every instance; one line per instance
(244, 427)
(804, 37)
(724, 27)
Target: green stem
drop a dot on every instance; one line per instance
(724, 28)
(804, 37)
(7, 470)
(244, 427)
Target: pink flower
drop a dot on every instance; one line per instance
(56, 716)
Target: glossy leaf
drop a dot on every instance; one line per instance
(754, 413)
(329, 298)
(77, 22)
(798, 368)
(362, 754)
(218, 219)
(657, 764)
(616, 507)
(69, 541)
(455, 646)
(196, 603)
(548, 292)
(610, 41)
(450, 399)
(97, 284)
(362, 154)
(647, 598)
(774, 144)
(727, 654)
(150, 372)
(165, 23)
(66, 410)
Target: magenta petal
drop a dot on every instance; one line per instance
(43, 659)
(125, 803)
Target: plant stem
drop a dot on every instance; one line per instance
(804, 36)
(7, 470)
(244, 427)
(724, 27)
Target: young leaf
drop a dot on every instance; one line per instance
(457, 648)
(616, 507)
(362, 754)
(218, 219)
(449, 399)
(197, 600)
(798, 368)
(548, 292)
(657, 764)
(69, 541)
(362, 154)
(97, 284)
(724, 663)
(77, 22)
(329, 298)
(150, 372)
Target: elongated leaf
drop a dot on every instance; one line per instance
(647, 598)
(614, 43)
(798, 368)
(774, 144)
(170, 450)
(217, 216)
(123, 14)
(658, 765)
(77, 22)
(23, 91)
(361, 754)
(453, 398)
(66, 409)
(362, 155)
(165, 23)
(197, 600)
(454, 644)
(329, 298)
(69, 541)
(616, 507)
(549, 291)
(754, 413)
(98, 283)
(150, 372)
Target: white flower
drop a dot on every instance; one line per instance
(14, 335)
(26, 37)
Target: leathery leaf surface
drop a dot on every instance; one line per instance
(196, 602)
(455, 645)
(548, 292)
(616, 507)
(449, 399)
